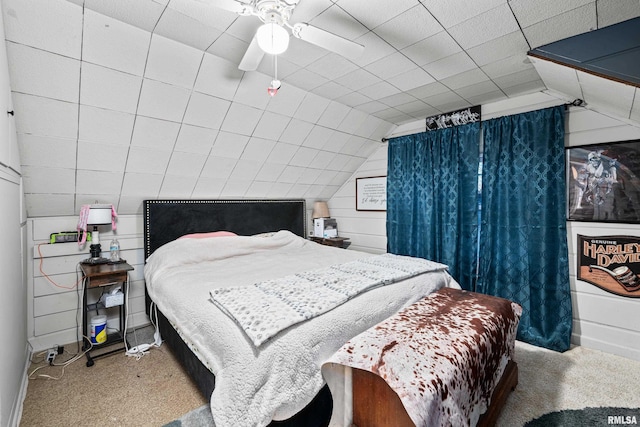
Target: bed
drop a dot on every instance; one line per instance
(288, 387)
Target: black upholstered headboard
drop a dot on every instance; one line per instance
(166, 220)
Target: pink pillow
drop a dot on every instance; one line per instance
(204, 235)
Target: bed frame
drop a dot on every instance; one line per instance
(166, 220)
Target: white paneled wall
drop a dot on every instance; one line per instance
(601, 320)
(54, 293)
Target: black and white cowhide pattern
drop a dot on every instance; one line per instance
(442, 355)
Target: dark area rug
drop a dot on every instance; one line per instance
(588, 417)
(199, 417)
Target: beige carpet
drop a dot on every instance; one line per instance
(120, 391)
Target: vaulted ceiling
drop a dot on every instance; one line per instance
(122, 100)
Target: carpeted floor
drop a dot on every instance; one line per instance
(154, 391)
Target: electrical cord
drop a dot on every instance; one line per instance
(62, 365)
(49, 278)
(141, 350)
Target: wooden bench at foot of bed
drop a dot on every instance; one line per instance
(375, 404)
(446, 359)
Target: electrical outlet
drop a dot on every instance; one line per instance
(51, 355)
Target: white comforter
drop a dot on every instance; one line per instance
(278, 379)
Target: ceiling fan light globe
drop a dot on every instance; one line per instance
(272, 38)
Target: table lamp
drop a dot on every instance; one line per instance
(98, 215)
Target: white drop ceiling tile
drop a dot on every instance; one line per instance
(614, 11)
(333, 115)
(635, 108)
(282, 153)
(177, 186)
(485, 97)
(449, 66)
(374, 49)
(524, 88)
(54, 26)
(397, 99)
(195, 139)
(203, 12)
(379, 90)
(186, 29)
(486, 26)
(331, 90)
(127, 205)
(510, 65)
(306, 11)
(375, 12)
(298, 190)
(229, 145)
(411, 79)
(245, 170)
(235, 188)
(287, 101)
(336, 142)
(337, 21)
(467, 78)
(143, 14)
(218, 167)
(44, 116)
(499, 48)
(252, 90)
(218, 77)
(414, 107)
(321, 161)
(46, 151)
(241, 119)
(576, 21)
(318, 137)
(452, 12)
(155, 134)
(106, 126)
(163, 101)
(428, 90)
(332, 66)
(243, 28)
(228, 47)
(305, 80)
(391, 65)
(357, 79)
(607, 95)
(558, 78)
(49, 204)
(271, 125)
(368, 126)
(48, 179)
(98, 182)
(353, 146)
(102, 157)
(309, 176)
(352, 121)
(299, 53)
(208, 188)
(270, 171)
(476, 89)
(172, 62)
(141, 184)
(311, 108)
(353, 99)
(32, 71)
(372, 107)
(443, 98)
(257, 149)
(430, 49)
(296, 132)
(106, 88)
(206, 111)
(353, 164)
(520, 77)
(532, 12)
(258, 189)
(147, 160)
(114, 44)
(185, 164)
(291, 174)
(409, 27)
(338, 162)
(325, 176)
(303, 157)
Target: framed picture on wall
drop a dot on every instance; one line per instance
(371, 193)
(603, 182)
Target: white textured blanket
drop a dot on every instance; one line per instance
(279, 378)
(267, 308)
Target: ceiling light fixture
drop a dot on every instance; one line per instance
(272, 38)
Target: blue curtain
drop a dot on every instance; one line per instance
(523, 236)
(432, 189)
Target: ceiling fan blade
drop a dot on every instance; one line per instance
(230, 5)
(327, 40)
(252, 56)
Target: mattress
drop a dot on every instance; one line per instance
(274, 381)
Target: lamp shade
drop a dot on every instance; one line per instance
(320, 210)
(99, 215)
(272, 38)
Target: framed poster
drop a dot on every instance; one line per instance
(603, 182)
(611, 263)
(371, 193)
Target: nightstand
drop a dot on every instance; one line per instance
(104, 278)
(338, 242)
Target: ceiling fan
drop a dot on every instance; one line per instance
(272, 37)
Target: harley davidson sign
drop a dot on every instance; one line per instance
(611, 263)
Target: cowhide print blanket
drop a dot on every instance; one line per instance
(442, 355)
